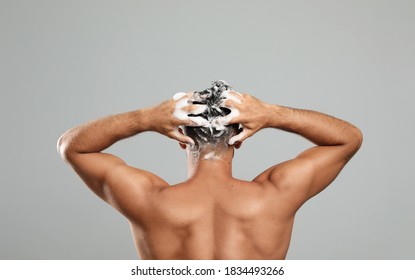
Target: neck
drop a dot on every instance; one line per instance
(210, 163)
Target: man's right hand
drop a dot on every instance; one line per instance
(252, 113)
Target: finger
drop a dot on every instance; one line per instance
(239, 137)
(181, 113)
(198, 121)
(220, 122)
(178, 112)
(236, 92)
(229, 103)
(195, 109)
(232, 95)
(231, 118)
(179, 95)
(175, 134)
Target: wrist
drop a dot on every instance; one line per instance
(274, 115)
(144, 117)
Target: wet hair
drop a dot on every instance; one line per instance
(212, 135)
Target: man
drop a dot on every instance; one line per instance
(211, 215)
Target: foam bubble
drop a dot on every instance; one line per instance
(220, 122)
(199, 109)
(211, 155)
(181, 114)
(179, 95)
(231, 97)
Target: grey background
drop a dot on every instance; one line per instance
(63, 63)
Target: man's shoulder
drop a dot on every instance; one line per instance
(272, 175)
(128, 175)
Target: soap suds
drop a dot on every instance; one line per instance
(232, 97)
(220, 122)
(211, 155)
(179, 95)
(210, 117)
(237, 138)
(181, 114)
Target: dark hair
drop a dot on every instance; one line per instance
(213, 98)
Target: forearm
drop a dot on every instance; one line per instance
(98, 135)
(319, 128)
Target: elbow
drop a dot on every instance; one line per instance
(357, 138)
(354, 143)
(63, 147)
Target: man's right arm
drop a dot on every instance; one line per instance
(315, 168)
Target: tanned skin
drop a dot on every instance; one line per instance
(211, 217)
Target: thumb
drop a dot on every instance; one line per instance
(239, 137)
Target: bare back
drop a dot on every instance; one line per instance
(212, 215)
(215, 219)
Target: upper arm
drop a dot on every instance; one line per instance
(123, 187)
(310, 172)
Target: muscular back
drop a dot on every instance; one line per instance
(212, 215)
(214, 219)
